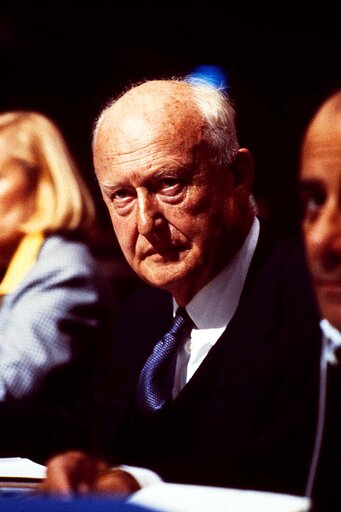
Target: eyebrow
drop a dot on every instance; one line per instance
(107, 188)
(309, 182)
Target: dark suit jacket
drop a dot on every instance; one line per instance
(326, 489)
(246, 419)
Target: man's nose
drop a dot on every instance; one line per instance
(325, 236)
(148, 212)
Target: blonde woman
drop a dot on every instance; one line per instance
(55, 306)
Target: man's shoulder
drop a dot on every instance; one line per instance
(279, 269)
(279, 249)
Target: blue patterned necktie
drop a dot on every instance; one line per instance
(156, 380)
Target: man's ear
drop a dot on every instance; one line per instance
(242, 169)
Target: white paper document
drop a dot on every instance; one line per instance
(166, 497)
(19, 467)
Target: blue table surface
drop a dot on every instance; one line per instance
(26, 502)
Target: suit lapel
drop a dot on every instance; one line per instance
(257, 314)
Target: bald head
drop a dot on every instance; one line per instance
(146, 107)
(179, 105)
(326, 123)
(155, 97)
(320, 183)
(148, 114)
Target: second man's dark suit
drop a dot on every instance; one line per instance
(246, 419)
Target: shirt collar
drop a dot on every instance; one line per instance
(215, 304)
(21, 262)
(331, 341)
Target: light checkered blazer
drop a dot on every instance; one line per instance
(56, 324)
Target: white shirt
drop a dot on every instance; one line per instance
(331, 340)
(211, 309)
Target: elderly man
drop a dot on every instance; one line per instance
(233, 403)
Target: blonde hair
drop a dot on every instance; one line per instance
(63, 201)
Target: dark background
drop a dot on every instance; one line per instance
(66, 61)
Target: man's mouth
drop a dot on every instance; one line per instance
(168, 252)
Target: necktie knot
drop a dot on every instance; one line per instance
(179, 321)
(156, 380)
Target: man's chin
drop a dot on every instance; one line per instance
(166, 275)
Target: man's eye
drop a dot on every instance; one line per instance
(168, 182)
(311, 201)
(120, 195)
(169, 186)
